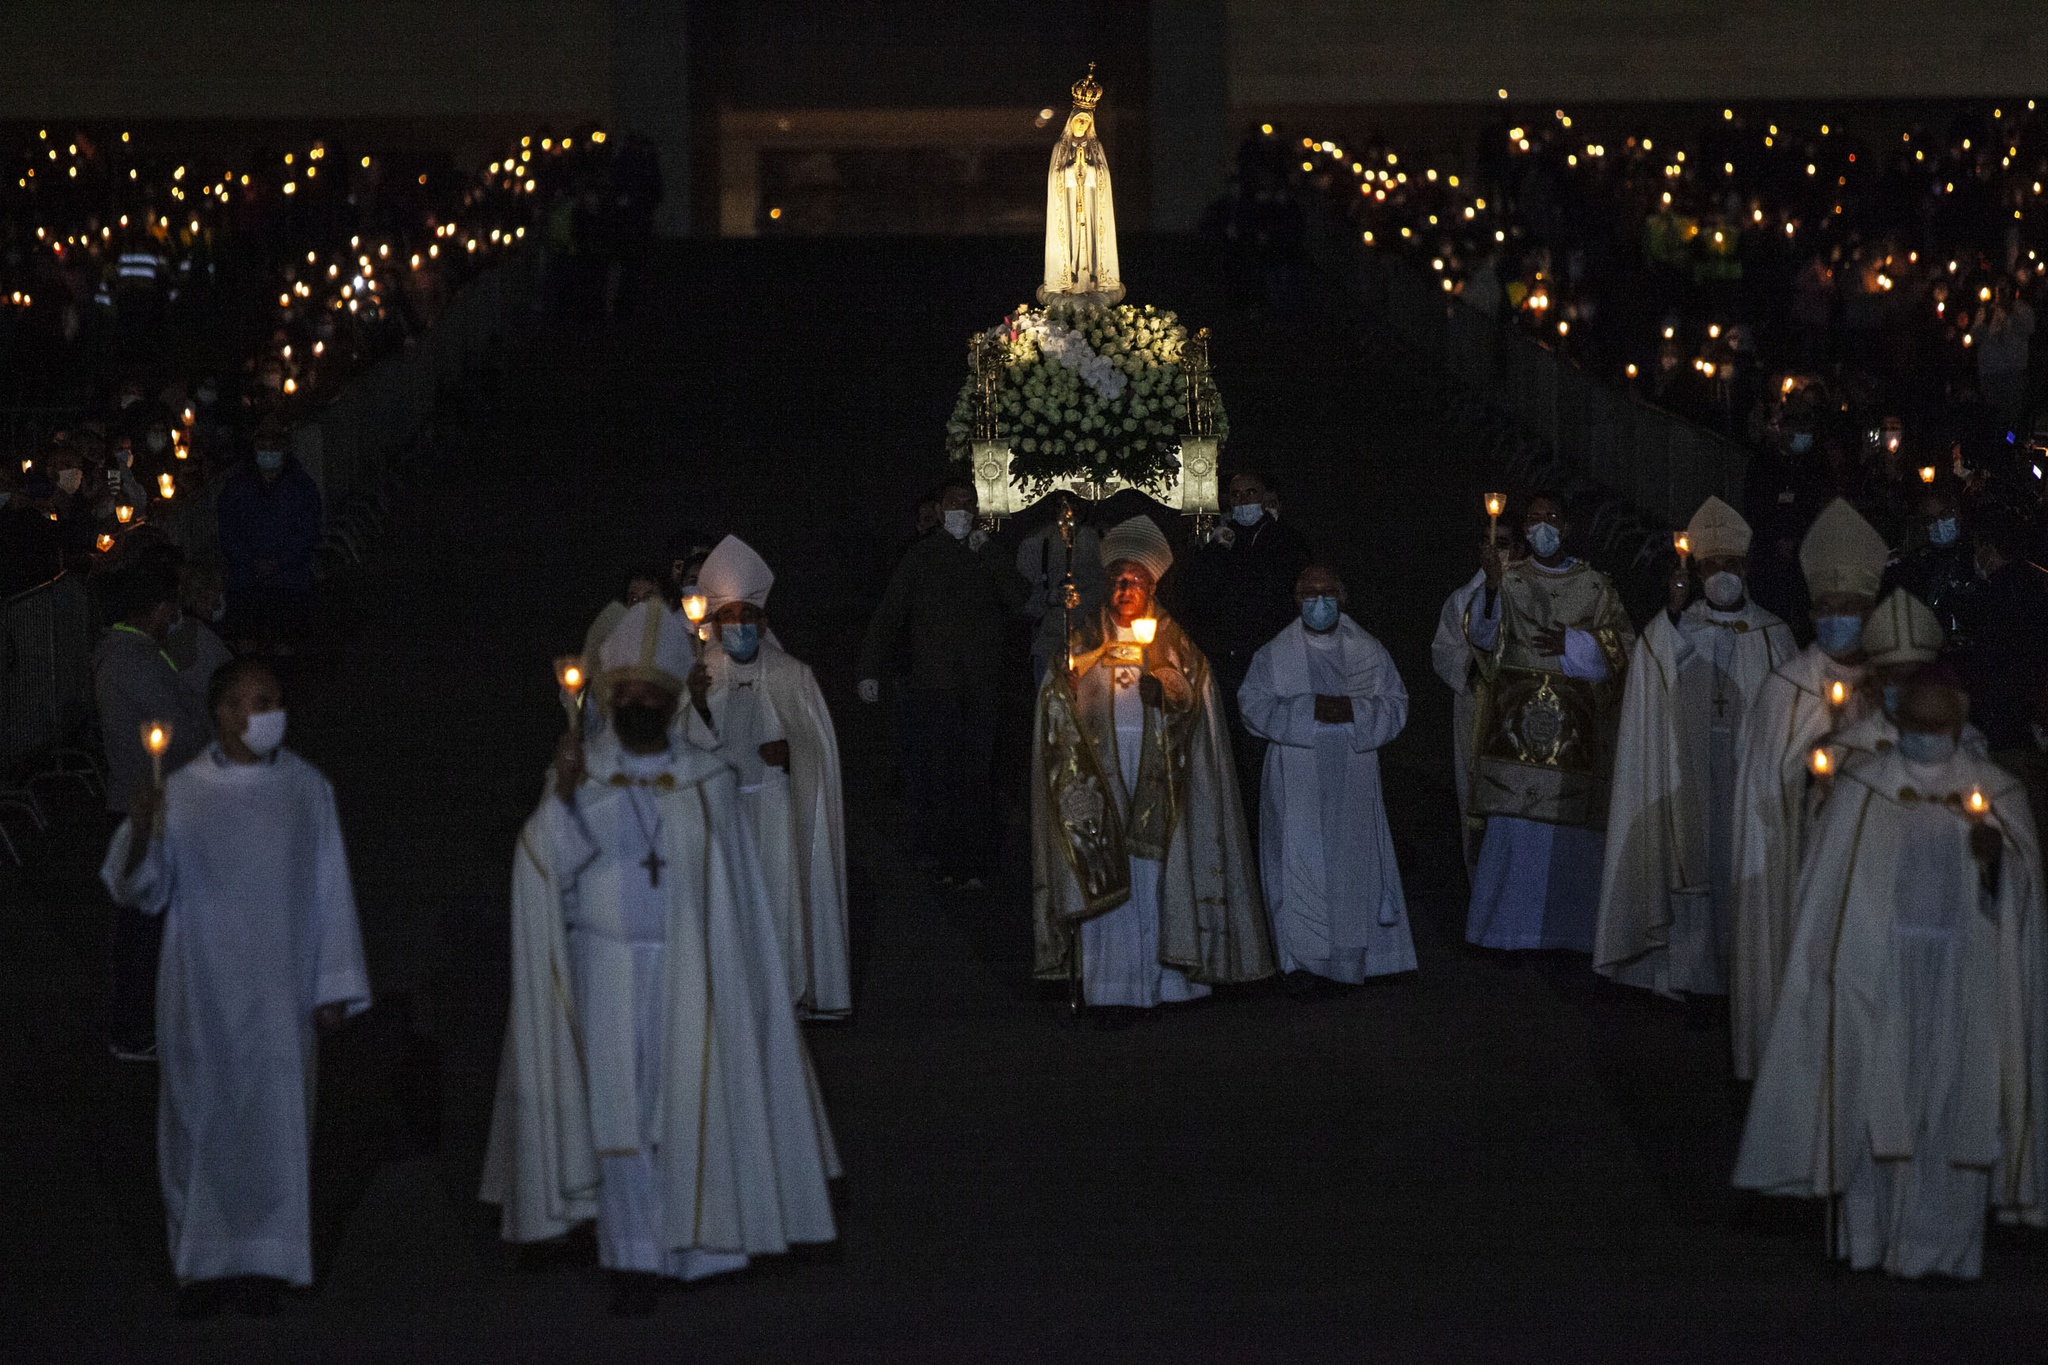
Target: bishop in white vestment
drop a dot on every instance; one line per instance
(1326, 697)
(244, 861)
(1666, 892)
(763, 713)
(1810, 697)
(652, 1077)
(1906, 1074)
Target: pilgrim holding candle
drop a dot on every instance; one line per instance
(1143, 888)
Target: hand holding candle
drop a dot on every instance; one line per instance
(695, 607)
(570, 674)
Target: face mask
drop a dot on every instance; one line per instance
(270, 461)
(640, 726)
(1248, 513)
(1724, 590)
(1801, 442)
(129, 400)
(1891, 699)
(1944, 531)
(1319, 613)
(69, 479)
(742, 640)
(124, 458)
(157, 440)
(264, 731)
(958, 522)
(1915, 747)
(1544, 539)
(1839, 634)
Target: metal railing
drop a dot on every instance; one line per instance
(1662, 464)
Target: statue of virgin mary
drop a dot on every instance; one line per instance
(1080, 221)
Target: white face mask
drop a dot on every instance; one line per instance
(1545, 539)
(69, 479)
(958, 522)
(264, 731)
(1916, 747)
(1724, 590)
(1248, 513)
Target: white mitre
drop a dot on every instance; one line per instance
(1717, 531)
(649, 644)
(732, 572)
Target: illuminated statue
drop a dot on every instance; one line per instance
(1080, 221)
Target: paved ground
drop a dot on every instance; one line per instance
(1487, 1159)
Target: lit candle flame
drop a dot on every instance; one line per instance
(1681, 542)
(1822, 765)
(124, 514)
(1146, 628)
(166, 485)
(1496, 503)
(105, 542)
(1978, 804)
(1927, 473)
(1838, 693)
(694, 607)
(572, 677)
(157, 739)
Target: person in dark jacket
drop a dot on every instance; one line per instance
(269, 531)
(29, 549)
(1239, 594)
(1937, 566)
(955, 592)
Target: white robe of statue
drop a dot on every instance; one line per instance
(1451, 654)
(1120, 950)
(1793, 713)
(1666, 894)
(1536, 885)
(653, 1077)
(1326, 858)
(259, 931)
(1907, 1066)
(798, 816)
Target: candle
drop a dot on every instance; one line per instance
(165, 485)
(695, 606)
(1146, 628)
(1821, 764)
(1838, 694)
(104, 543)
(570, 674)
(156, 737)
(1681, 544)
(1978, 804)
(1927, 473)
(124, 514)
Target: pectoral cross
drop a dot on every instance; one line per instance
(654, 863)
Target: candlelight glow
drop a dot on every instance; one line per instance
(571, 676)
(1145, 628)
(1821, 764)
(1681, 542)
(156, 736)
(1978, 804)
(124, 514)
(1838, 693)
(104, 543)
(1496, 503)
(694, 607)
(166, 486)
(1927, 473)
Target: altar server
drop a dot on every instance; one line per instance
(1451, 655)
(1815, 694)
(1906, 1074)
(1326, 698)
(652, 1076)
(1666, 895)
(241, 854)
(761, 711)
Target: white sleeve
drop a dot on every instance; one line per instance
(1483, 628)
(148, 887)
(1379, 715)
(343, 979)
(1582, 657)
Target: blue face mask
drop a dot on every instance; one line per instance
(1545, 539)
(1319, 614)
(1944, 531)
(1801, 442)
(1915, 747)
(1839, 634)
(741, 640)
(1247, 513)
(270, 461)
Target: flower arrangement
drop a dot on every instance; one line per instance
(1087, 391)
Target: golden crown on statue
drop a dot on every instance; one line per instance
(1087, 91)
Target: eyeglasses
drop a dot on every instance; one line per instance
(1119, 584)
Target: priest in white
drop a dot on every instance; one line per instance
(761, 711)
(1814, 695)
(652, 1076)
(1450, 653)
(241, 853)
(1325, 696)
(1666, 892)
(1906, 1075)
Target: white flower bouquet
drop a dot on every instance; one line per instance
(1087, 391)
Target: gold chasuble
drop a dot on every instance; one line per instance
(1544, 742)
(1089, 818)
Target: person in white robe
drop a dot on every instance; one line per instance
(240, 851)
(1817, 693)
(1550, 642)
(761, 710)
(1451, 655)
(652, 1078)
(1143, 889)
(1326, 697)
(1906, 1075)
(1666, 891)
